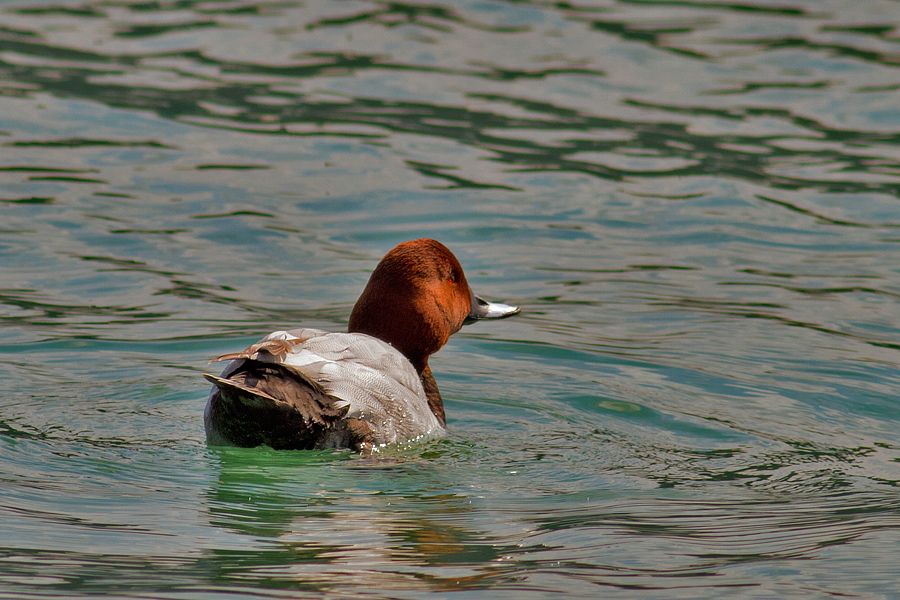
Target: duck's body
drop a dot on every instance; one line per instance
(305, 388)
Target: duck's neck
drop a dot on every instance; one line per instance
(433, 394)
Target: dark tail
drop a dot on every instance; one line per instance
(264, 403)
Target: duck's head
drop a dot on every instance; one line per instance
(417, 297)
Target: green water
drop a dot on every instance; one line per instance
(695, 203)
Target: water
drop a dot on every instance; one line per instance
(695, 203)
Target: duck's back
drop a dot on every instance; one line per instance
(306, 388)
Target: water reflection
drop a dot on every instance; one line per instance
(332, 526)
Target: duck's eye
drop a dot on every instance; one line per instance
(454, 276)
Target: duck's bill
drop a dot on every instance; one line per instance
(482, 309)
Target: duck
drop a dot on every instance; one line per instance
(363, 390)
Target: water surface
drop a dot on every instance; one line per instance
(696, 204)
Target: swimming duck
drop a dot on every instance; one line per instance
(364, 389)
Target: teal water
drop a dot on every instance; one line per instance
(695, 203)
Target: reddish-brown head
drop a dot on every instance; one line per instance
(416, 298)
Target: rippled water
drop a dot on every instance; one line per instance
(696, 203)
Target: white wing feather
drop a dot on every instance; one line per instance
(371, 377)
